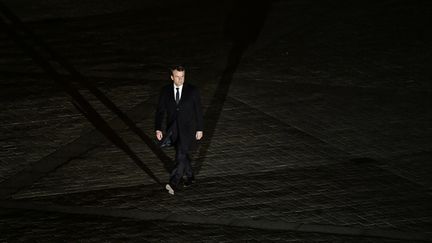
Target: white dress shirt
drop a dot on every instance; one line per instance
(180, 90)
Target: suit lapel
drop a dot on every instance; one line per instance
(185, 92)
(171, 94)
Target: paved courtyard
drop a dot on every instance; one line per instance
(317, 121)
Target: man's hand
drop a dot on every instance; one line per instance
(199, 135)
(159, 135)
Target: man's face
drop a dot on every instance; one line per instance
(178, 77)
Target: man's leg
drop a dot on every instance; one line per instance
(181, 164)
(189, 172)
(188, 168)
(176, 173)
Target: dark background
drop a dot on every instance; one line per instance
(317, 120)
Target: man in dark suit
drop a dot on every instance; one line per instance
(182, 104)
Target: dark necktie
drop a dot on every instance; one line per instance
(177, 95)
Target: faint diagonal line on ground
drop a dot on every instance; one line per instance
(30, 43)
(62, 155)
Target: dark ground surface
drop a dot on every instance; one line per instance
(317, 121)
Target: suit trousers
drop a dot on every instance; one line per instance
(182, 166)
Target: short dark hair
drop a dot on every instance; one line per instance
(179, 68)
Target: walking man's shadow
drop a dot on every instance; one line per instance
(242, 26)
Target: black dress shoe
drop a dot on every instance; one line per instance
(189, 182)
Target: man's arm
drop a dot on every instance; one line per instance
(198, 115)
(159, 115)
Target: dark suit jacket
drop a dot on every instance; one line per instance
(185, 118)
